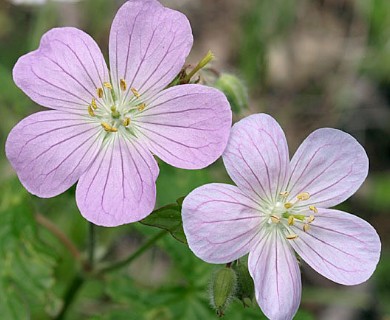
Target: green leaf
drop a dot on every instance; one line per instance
(26, 264)
(168, 218)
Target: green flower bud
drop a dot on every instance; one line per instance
(234, 90)
(223, 288)
(245, 286)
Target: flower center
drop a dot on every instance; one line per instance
(115, 109)
(286, 214)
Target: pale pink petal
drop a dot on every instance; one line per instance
(330, 165)
(256, 157)
(50, 150)
(64, 72)
(187, 126)
(148, 45)
(274, 269)
(220, 222)
(340, 246)
(120, 185)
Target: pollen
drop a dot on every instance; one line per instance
(284, 194)
(310, 219)
(90, 111)
(291, 236)
(306, 227)
(107, 127)
(135, 92)
(126, 121)
(290, 220)
(275, 219)
(107, 85)
(123, 84)
(288, 205)
(142, 107)
(303, 196)
(99, 92)
(93, 104)
(313, 208)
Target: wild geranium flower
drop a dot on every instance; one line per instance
(280, 206)
(106, 125)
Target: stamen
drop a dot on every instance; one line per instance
(135, 92)
(306, 227)
(291, 236)
(288, 205)
(141, 107)
(126, 121)
(90, 111)
(123, 84)
(107, 85)
(275, 219)
(99, 92)
(303, 196)
(93, 104)
(313, 208)
(290, 220)
(284, 194)
(310, 219)
(108, 127)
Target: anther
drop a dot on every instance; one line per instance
(123, 84)
(313, 208)
(107, 85)
(108, 127)
(288, 205)
(99, 92)
(306, 227)
(141, 107)
(290, 220)
(291, 236)
(93, 104)
(90, 111)
(275, 219)
(303, 196)
(284, 194)
(126, 121)
(310, 219)
(135, 92)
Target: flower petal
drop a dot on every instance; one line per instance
(50, 150)
(330, 165)
(64, 72)
(274, 269)
(119, 187)
(256, 157)
(187, 126)
(148, 45)
(220, 222)
(340, 246)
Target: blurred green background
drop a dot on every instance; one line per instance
(309, 63)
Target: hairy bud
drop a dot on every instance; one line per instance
(245, 286)
(234, 90)
(223, 288)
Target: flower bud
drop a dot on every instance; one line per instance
(223, 288)
(245, 286)
(234, 90)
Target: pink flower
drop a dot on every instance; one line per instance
(280, 206)
(106, 125)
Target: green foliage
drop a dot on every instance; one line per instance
(26, 264)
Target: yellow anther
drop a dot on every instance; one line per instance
(93, 104)
(284, 194)
(303, 196)
(126, 121)
(292, 236)
(275, 219)
(90, 111)
(310, 219)
(113, 108)
(314, 209)
(141, 107)
(99, 92)
(123, 84)
(135, 92)
(108, 127)
(107, 85)
(288, 205)
(306, 227)
(290, 220)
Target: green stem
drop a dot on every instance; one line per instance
(134, 255)
(202, 63)
(70, 295)
(91, 245)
